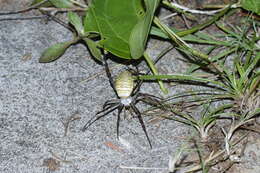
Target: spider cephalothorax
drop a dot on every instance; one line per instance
(128, 95)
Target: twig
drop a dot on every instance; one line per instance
(59, 158)
(185, 21)
(256, 130)
(24, 10)
(25, 18)
(80, 156)
(26, 57)
(68, 121)
(186, 9)
(52, 17)
(61, 9)
(47, 14)
(168, 16)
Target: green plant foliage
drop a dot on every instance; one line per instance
(204, 122)
(95, 51)
(160, 33)
(108, 18)
(62, 3)
(76, 21)
(141, 30)
(54, 52)
(251, 5)
(116, 21)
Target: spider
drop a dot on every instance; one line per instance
(128, 96)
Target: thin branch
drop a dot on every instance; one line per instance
(186, 9)
(168, 16)
(57, 20)
(68, 121)
(24, 18)
(23, 10)
(56, 10)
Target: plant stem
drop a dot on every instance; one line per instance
(183, 44)
(182, 77)
(155, 71)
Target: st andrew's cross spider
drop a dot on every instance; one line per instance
(128, 96)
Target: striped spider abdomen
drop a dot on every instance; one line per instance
(124, 84)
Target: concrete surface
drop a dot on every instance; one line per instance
(36, 100)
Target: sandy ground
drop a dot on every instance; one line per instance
(37, 99)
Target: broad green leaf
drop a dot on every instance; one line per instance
(62, 3)
(76, 21)
(93, 49)
(138, 37)
(114, 20)
(43, 4)
(251, 5)
(54, 52)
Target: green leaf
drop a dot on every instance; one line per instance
(76, 21)
(116, 21)
(93, 49)
(251, 5)
(54, 52)
(139, 34)
(62, 3)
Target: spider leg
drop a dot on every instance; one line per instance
(137, 87)
(137, 112)
(120, 108)
(138, 84)
(143, 96)
(111, 81)
(110, 103)
(149, 99)
(95, 118)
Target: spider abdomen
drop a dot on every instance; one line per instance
(124, 84)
